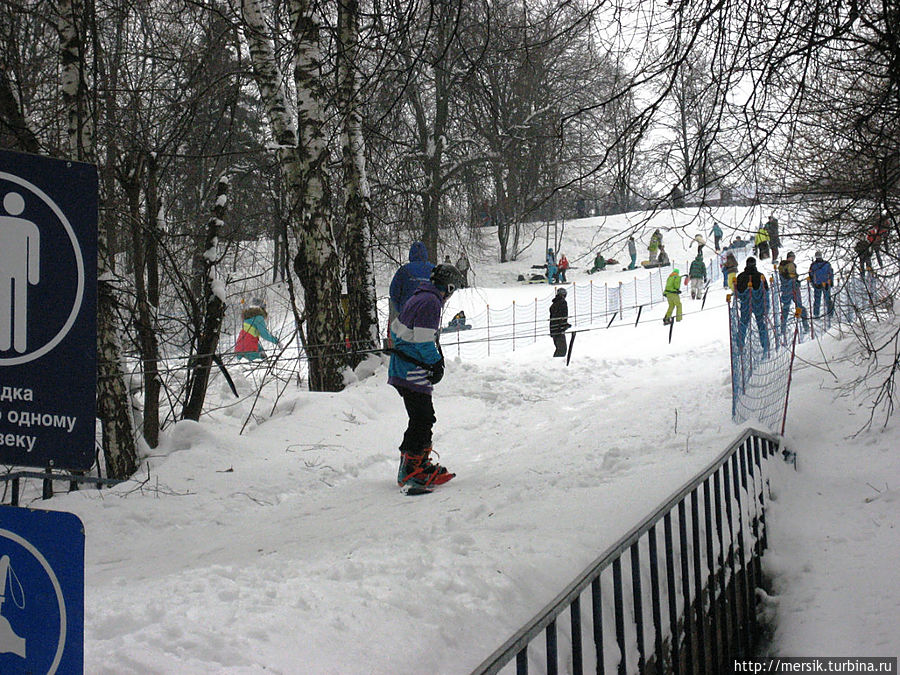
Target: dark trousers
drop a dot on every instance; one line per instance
(559, 341)
(420, 409)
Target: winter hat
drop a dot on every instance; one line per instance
(818, 255)
(561, 291)
(790, 255)
(751, 262)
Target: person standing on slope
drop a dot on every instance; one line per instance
(672, 293)
(559, 321)
(632, 251)
(752, 291)
(697, 274)
(717, 236)
(821, 276)
(416, 366)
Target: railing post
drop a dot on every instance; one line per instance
(47, 491)
(522, 661)
(638, 603)
(597, 620)
(735, 624)
(552, 668)
(575, 625)
(620, 614)
(711, 578)
(739, 550)
(14, 497)
(686, 588)
(698, 579)
(654, 595)
(670, 588)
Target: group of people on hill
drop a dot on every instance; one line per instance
(556, 269)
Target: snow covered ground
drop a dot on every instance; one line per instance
(288, 548)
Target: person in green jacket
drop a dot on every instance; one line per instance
(599, 264)
(697, 275)
(672, 293)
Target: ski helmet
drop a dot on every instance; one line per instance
(446, 278)
(561, 291)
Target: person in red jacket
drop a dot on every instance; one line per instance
(561, 268)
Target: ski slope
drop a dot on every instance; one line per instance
(289, 549)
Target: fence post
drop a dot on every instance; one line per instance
(574, 305)
(488, 307)
(591, 289)
(514, 326)
(621, 306)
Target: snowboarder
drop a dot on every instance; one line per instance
(821, 276)
(790, 291)
(697, 274)
(632, 251)
(248, 345)
(717, 236)
(599, 263)
(416, 366)
(752, 291)
(672, 293)
(559, 321)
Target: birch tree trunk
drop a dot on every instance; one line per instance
(212, 310)
(363, 319)
(119, 449)
(301, 152)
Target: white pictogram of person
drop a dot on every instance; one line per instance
(20, 243)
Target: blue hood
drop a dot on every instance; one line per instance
(418, 252)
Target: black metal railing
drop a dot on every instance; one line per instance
(711, 559)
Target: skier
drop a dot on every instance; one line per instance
(821, 276)
(672, 293)
(752, 291)
(416, 366)
(559, 321)
(248, 345)
(632, 251)
(790, 291)
(697, 274)
(717, 236)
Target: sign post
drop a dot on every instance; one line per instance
(48, 309)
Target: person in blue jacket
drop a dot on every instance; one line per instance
(822, 278)
(407, 279)
(416, 366)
